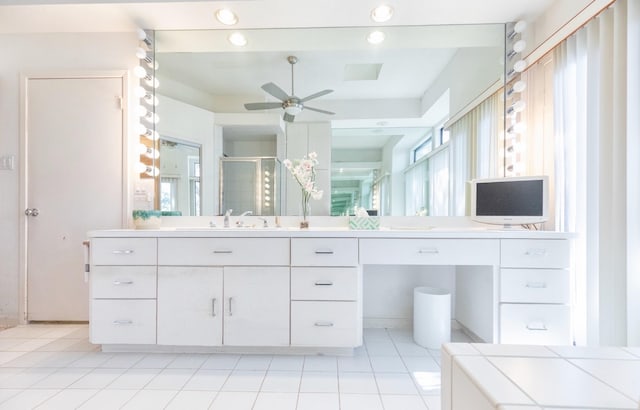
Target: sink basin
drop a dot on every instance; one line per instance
(218, 228)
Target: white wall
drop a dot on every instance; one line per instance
(40, 54)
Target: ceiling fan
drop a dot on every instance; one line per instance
(291, 104)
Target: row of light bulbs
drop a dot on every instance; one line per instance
(515, 127)
(148, 101)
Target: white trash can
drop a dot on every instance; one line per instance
(431, 317)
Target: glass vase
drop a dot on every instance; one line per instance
(306, 210)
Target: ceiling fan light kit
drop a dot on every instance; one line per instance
(291, 104)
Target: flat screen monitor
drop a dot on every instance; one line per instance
(510, 201)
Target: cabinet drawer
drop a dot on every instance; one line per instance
(324, 283)
(123, 321)
(223, 251)
(123, 251)
(324, 252)
(534, 285)
(534, 253)
(334, 324)
(535, 324)
(429, 251)
(123, 282)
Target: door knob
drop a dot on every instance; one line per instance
(32, 212)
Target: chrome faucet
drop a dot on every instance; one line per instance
(245, 213)
(226, 217)
(264, 222)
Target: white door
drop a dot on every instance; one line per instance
(189, 305)
(256, 306)
(74, 183)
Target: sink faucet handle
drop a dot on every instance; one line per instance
(265, 224)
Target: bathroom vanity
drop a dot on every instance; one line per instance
(239, 289)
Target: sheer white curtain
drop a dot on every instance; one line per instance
(597, 132)
(439, 183)
(416, 179)
(474, 149)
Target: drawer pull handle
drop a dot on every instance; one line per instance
(536, 252)
(122, 282)
(324, 283)
(223, 251)
(431, 251)
(122, 252)
(537, 327)
(324, 252)
(213, 307)
(323, 324)
(536, 285)
(230, 312)
(122, 322)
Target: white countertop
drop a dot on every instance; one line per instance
(550, 377)
(329, 232)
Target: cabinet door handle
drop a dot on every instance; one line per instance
(122, 282)
(324, 283)
(213, 307)
(431, 251)
(230, 312)
(323, 324)
(122, 322)
(122, 251)
(536, 285)
(223, 251)
(537, 327)
(536, 252)
(324, 252)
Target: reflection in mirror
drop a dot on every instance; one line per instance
(179, 177)
(395, 98)
(250, 184)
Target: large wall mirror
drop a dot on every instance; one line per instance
(390, 100)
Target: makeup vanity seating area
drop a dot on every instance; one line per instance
(288, 290)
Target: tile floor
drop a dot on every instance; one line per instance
(55, 367)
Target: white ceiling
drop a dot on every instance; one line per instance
(118, 15)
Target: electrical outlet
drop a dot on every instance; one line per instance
(7, 162)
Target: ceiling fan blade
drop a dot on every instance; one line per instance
(276, 91)
(316, 95)
(319, 110)
(288, 117)
(262, 105)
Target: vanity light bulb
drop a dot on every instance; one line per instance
(140, 72)
(267, 204)
(141, 111)
(152, 64)
(140, 167)
(152, 117)
(517, 128)
(267, 186)
(152, 153)
(267, 198)
(266, 179)
(141, 53)
(152, 81)
(520, 26)
(152, 171)
(267, 173)
(517, 107)
(151, 99)
(151, 135)
(519, 66)
(519, 86)
(267, 192)
(139, 92)
(142, 149)
(519, 46)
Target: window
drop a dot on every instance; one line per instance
(425, 147)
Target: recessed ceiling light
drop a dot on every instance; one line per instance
(226, 17)
(238, 39)
(375, 37)
(382, 13)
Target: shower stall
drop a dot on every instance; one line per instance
(250, 184)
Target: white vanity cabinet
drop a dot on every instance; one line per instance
(123, 291)
(326, 302)
(211, 293)
(535, 291)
